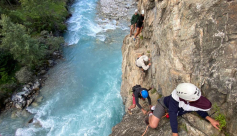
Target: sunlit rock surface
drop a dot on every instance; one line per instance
(188, 41)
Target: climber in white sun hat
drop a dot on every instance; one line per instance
(142, 62)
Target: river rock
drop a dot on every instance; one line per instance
(7, 101)
(13, 115)
(26, 97)
(24, 113)
(36, 85)
(8, 105)
(42, 72)
(50, 63)
(34, 104)
(19, 100)
(56, 54)
(39, 99)
(29, 101)
(31, 120)
(24, 75)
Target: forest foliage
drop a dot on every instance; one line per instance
(21, 41)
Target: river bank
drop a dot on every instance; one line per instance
(20, 91)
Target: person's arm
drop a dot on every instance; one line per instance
(137, 103)
(205, 115)
(148, 97)
(145, 67)
(137, 100)
(213, 122)
(132, 20)
(175, 134)
(149, 100)
(173, 110)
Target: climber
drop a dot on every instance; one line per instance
(139, 25)
(142, 93)
(142, 61)
(134, 22)
(185, 98)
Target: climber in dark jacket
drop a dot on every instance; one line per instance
(134, 22)
(141, 93)
(185, 98)
(139, 25)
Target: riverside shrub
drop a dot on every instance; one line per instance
(19, 43)
(45, 15)
(7, 65)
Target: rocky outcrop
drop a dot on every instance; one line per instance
(24, 75)
(188, 41)
(24, 98)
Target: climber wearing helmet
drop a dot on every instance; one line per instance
(139, 25)
(185, 98)
(141, 62)
(142, 93)
(134, 22)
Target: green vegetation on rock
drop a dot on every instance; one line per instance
(184, 127)
(220, 117)
(153, 91)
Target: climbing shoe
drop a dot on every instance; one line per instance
(129, 112)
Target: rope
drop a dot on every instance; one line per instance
(165, 115)
(145, 130)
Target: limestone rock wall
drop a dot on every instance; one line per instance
(188, 41)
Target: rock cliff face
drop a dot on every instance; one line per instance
(188, 41)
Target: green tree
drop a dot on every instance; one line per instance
(19, 43)
(45, 14)
(7, 65)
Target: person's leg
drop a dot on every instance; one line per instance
(133, 104)
(140, 30)
(134, 27)
(157, 115)
(153, 121)
(131, 30)
(137, 32)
